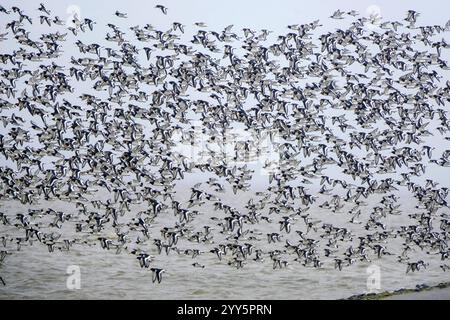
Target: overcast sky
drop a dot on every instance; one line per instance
(254, 13)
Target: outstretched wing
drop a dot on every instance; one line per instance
(159, 276)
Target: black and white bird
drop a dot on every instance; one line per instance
(157, 274)
(162, 8)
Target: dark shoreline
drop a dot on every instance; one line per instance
(387, 294)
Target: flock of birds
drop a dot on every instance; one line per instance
(352, 109)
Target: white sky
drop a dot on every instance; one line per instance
(274, 15)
